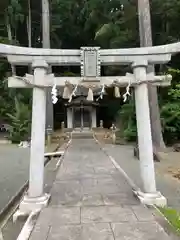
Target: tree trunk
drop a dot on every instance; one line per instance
(46, 44)
(145, 41)
(29, 25)
(29, 29)
(10, 38)
(46, 24)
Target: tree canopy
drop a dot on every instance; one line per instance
(75, 23)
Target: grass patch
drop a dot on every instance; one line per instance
(173, 217)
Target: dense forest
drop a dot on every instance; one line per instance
(76, 23)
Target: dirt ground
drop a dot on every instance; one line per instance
(170, 164)
(170, 160)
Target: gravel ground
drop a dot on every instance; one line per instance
(14, 168)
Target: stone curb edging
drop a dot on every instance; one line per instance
(28, 226)
(19, 193)
(13, 200)
(62, 156)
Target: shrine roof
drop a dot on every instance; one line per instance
(81, 100)
(82, 91)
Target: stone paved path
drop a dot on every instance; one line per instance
(92, 201)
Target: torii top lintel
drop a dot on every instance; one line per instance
(23, 55)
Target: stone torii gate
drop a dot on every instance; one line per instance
(90, 60)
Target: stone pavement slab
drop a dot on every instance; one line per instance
(92, 201)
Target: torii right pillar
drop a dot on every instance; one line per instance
(150, 196)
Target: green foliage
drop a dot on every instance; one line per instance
(20, 122)
(119, 25)
(173, 217)
(4, 40)
(170, 114)
(6, 99)
(127, 121)
(169, 109)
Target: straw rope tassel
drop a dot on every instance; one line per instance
(117, 92)
(90, 96)
(66, 92)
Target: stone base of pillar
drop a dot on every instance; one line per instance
(152, 199)
(29, 205)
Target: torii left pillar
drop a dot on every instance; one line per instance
(35, 198)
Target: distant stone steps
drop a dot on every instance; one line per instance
(82, 135)
(120, 141)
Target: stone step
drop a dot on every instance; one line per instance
(82, 135)
(120, 141)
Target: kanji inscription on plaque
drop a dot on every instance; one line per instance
(90, 62)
